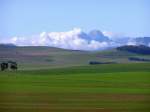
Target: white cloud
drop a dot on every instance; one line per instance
(109, 34)
(131, 43)
(75, 39)
(113, 35)
(67, 40)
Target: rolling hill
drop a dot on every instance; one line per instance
(41, 57)
(59, 80)
(141, 49)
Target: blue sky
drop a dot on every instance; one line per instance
(28, 17)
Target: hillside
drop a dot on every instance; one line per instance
(41, 57)
(141, 49)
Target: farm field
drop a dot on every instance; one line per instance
(74, 56)
(95, 88)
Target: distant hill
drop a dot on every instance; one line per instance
(41, 57)
(7, 45)
(141, 49)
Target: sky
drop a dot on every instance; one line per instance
(29, 17)
(74, 24)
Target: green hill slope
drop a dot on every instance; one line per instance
(39, 57)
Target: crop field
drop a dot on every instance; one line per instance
(95, 88)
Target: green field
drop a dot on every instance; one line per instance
(39, 57)
(95, 88)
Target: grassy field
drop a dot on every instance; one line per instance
(95, 88)
(39, 57)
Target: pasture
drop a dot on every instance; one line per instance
(95, 88)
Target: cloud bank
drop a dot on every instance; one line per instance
(75, 39)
